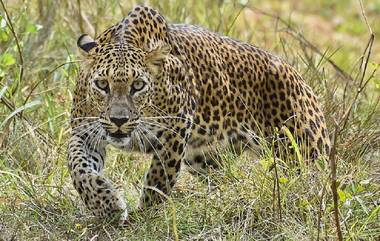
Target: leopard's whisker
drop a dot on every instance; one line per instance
(157, 154)
(90, 134)
(172, 117)
(153, 136)
(152, 146)
(157, 124)
(82, 130)
(139, 140)
(97, 136)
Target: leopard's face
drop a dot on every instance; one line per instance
(122, 83)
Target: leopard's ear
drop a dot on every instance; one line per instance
(86, 43)
(156, 57)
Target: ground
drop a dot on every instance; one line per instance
(247, 200)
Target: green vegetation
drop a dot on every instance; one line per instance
(37, 78)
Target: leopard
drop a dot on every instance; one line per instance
(178, 92)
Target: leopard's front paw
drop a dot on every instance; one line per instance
(124, 219)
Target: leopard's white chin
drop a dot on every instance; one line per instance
(118, 142)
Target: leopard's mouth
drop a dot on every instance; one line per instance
(120, 134)
(119, 139)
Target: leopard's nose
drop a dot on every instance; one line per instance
(119, 121)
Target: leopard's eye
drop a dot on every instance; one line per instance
(102, 84)
(137, 85)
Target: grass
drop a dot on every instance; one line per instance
(247, 200)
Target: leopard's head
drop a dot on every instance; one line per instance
(126, 84)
